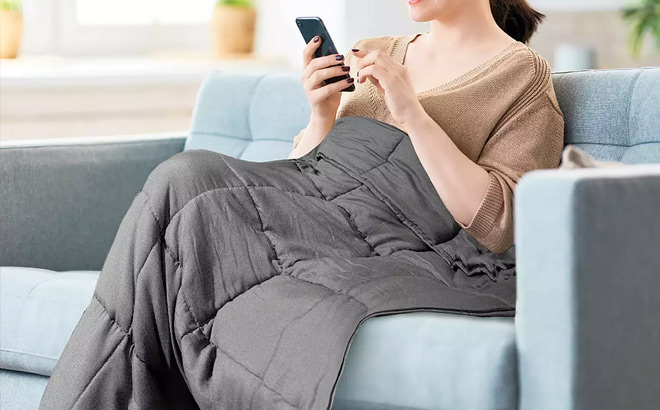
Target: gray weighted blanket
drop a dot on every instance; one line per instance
(239, 285)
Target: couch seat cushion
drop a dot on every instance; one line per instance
(417, 360)
(38, 312)
(430, 361)
(21, 391)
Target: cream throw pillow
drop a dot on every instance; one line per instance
(573, 157)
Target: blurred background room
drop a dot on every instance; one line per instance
(82, 68)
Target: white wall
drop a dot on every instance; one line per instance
(347, 21)
(351, 20)
(278, 34)
(38, 30)
(568, 5)
(370, 18)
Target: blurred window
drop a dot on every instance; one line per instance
(142, 12)
(118, 27)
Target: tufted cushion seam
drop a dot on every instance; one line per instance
(41, 299)
(253, 92)
(220, 135)
(21, 352)
(615, 145)
(242, 151)
(630, 98)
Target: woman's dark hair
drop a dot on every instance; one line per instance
(516, 17)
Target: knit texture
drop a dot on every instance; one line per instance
(503, 115)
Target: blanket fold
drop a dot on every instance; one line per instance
(239, 285)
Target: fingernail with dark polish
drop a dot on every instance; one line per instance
(355, 50)
(316, 39)
(350, 80)
(339, 57)
(346, 68)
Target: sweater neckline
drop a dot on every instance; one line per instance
(400, 50)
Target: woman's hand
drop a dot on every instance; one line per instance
(324, 99)
(393, 79)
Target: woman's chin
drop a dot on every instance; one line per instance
(419, 11)
(419, 16)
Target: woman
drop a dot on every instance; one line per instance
(239, 285)
(477, 103)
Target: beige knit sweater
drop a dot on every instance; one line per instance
(503, 115)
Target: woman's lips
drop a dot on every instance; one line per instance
(411, 2)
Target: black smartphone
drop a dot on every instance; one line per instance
(311, 27)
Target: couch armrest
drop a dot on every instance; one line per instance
(62, 200)
(588, 262)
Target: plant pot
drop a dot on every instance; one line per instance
(11, 30)
(233, 30)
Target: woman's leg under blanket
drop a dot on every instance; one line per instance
(192, 241)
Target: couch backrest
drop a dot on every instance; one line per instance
(249, 117)
(612, 114)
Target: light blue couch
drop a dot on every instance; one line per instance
(586, 335)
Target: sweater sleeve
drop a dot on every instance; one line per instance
(531, 139)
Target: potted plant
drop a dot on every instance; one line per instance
(11, 27)
(234, 23)
(644, 17)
